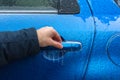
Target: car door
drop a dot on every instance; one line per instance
(105, 58)
(73, 21)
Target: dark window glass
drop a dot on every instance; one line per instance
(118, 2)
(47, 6)
(28, 4)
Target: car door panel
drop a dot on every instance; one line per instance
(104, 62)
(72, 65)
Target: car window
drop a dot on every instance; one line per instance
(46, 6)
(118, 2)
(28, 5)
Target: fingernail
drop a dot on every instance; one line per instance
(61, 46)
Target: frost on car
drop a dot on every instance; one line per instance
(95, 24)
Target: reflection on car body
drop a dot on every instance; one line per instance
(93, 23)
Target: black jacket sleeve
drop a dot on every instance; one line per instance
(18, 44)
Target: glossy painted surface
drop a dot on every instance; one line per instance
(51, 53)
(104, 61)
(72, 66)
(97, 27)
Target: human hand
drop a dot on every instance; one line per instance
(48, 36)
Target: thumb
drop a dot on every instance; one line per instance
(56, 44)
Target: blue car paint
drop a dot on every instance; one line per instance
(78, 27)
(104, 62)
(101, 64)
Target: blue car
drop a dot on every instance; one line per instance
(90, 30)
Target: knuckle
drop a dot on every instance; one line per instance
(53, 31)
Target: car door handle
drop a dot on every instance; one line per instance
(67, 46)
(52, 53)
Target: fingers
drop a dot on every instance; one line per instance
(56, 40)
(55, 44)
(48, 36)
(56, 36)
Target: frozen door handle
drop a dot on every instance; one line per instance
(68, 46)
(71, 46)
